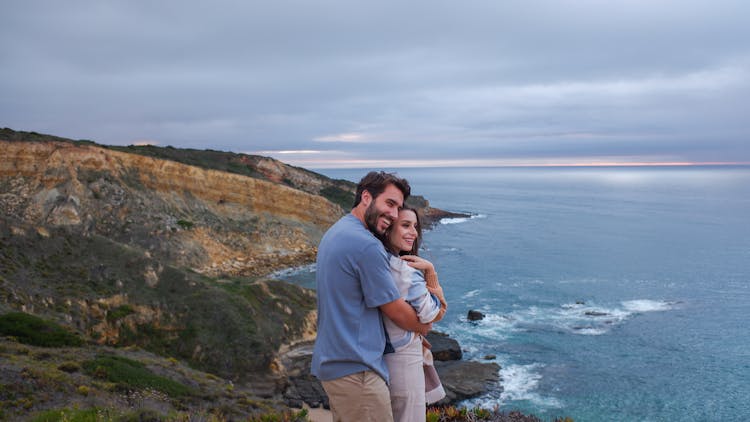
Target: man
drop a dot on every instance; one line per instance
(354, 285)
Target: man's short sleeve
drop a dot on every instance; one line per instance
(378, 286)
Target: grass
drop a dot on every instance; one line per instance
(30, 329)
(130, 374)
(98, 414)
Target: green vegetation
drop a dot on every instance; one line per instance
(185, 224)
(30, 329)
(208, 159)
(478, 414)
(98, 414)
(130, 374)
(119, 312)
(236, 328)
(344, 198)
(72, 415)
(286, 416)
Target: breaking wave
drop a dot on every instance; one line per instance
(459, 220)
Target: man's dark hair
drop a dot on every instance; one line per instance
(375, 182)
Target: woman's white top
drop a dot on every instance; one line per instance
(413, 288)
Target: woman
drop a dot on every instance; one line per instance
(416, 279)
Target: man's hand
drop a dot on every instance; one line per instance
(403, 315)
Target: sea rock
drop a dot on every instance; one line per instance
(475, 315)
(302, 387)
(466, 379)
(444, 348)
(305, 389)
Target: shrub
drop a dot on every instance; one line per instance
(130, 374)
(69, 367)
(119, 313)
(30, 329)
(185, 224)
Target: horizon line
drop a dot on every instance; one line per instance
(532, 165)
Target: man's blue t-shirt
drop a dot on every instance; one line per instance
(353, 279)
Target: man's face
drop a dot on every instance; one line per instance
(383, 210)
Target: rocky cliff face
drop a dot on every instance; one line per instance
(129, 249)
(214, 222)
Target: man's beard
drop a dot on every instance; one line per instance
(371, 220)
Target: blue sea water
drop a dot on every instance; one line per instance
(610, 294)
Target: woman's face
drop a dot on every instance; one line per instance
(404, 233)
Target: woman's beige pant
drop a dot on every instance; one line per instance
(407, 382)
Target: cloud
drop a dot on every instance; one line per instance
(387, 81)
(342, 137)
(282, 152)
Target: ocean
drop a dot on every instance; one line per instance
(610, 294)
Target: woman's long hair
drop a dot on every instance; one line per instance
(386, 238)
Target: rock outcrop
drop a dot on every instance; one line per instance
(443, 347)
(216, 223)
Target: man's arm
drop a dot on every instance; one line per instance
(403, 315)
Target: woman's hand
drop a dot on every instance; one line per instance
(418, 263)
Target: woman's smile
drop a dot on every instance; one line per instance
(404, 233)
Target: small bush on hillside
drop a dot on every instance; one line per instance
(185, 224)
(130, 374)
(119, 312)
(30, 329)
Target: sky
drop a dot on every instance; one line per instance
(325, 84)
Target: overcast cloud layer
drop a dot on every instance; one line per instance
(330, 83)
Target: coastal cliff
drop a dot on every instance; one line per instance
(157, 257)
(210, 221)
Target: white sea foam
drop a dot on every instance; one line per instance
(591, 331)
(645, 305)
(288, 272)
(494, 326)
(574, 318)
(471, 294)
(453, 220)
(459, 220)
(520, 382)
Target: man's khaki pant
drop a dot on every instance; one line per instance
(358, 397)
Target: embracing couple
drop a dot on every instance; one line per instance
(376, 300)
